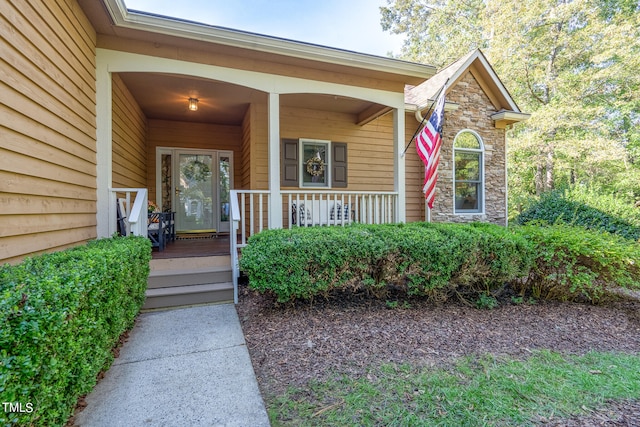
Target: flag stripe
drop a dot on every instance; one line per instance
(428, 144)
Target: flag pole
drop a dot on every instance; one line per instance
(424, 118)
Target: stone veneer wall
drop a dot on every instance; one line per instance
(474, 113)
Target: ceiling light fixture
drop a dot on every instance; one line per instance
(193, 104)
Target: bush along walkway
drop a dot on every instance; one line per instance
(62, 314)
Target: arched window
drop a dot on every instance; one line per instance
(468, 172)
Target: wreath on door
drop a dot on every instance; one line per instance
(315, 166)
(196, 171)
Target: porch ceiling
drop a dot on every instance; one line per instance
(165, 97)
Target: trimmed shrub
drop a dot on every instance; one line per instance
(62, 315)
(585, 209)
(432, 260)
(574, 264)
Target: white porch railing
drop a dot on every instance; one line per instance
(135, 215)
(249, 215)
(326, 208)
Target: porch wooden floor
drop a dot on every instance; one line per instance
(194, 248)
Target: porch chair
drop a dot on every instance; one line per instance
(156, 230)
(121, 218)
(338, 212)
(170, 225)
(301, 216)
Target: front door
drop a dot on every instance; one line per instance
(195, 192)
(195, 184)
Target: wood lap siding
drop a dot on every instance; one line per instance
(47, 128)
(259, 152)
(414, 175)
(370, 147)
(129, 139)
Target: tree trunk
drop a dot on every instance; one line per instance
(549, 183)
(538, 179)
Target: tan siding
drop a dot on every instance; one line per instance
(414, 175)
(19, 144)
(245, 159)
(14, 248)
(193, 136)
(18, 225)
(17, 204)
(369, 147)
(11, 182)
(259, 151)
(129, 139)
(50, 62)
(19, 163)
(48, 126)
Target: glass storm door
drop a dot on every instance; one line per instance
(195, 191)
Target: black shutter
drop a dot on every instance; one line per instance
(339, 165)
(289, 163)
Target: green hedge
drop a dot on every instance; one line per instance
(579, 207)
(432, 260)
(62, 315)
(575, 264)
(475, 261)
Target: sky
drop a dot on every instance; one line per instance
(345, 24)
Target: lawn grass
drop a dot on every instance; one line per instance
(489, 390)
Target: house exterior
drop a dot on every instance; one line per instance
(95, 98)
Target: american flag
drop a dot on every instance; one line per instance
(428, 144)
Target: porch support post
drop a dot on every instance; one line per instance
(275, 199)
(399, 164)
(105, 213)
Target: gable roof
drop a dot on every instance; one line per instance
(423, 95)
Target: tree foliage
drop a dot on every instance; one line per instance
(571, 63)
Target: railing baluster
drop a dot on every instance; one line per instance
(252, 219)
(260, 211)
(243, 209)
(307, 212)
(289, 211)
(369, 209)
(385, 209)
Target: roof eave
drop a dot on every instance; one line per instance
(503, 119)
(125, 18)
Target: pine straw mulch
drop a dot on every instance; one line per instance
(295, 343)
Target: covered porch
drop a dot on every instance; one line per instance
(222, 137)
(203, 269)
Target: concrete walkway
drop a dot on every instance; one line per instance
(182, 367)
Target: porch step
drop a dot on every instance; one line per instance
(191, 262)
(176, 296)
(186, 281)
(188, 276)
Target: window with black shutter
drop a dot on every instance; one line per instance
(313, 163)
